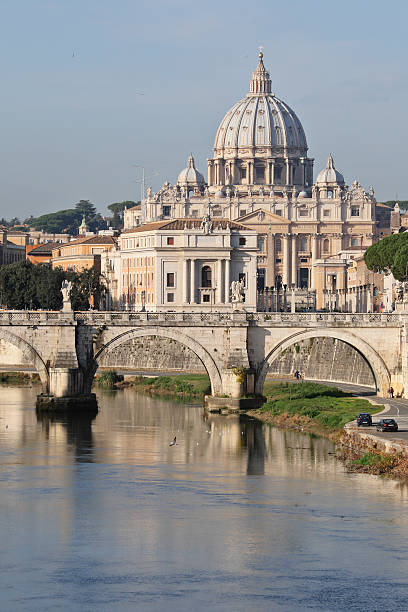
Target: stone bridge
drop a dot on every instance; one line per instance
(236, 349)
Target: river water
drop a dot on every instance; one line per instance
(102, 514)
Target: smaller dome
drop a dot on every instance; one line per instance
(303, 194)
(219, 194)
(330, 174)
(190, 176)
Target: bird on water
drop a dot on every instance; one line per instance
(174, 443)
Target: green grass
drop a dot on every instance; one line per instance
(327, 406)
(381, 463)
(109, 378)
(189, 385)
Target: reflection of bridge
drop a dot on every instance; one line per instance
(235, 348)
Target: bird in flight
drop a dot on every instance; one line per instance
(174, 443)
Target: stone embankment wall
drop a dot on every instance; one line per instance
(153, 353)
(325, 359)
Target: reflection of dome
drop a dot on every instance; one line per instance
(330, 174)
(190, 176)
(260, 119)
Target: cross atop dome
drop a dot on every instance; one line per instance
(260, 82)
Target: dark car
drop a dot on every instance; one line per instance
(387, 425)
(364, 419)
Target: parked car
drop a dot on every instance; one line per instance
(364, 418)
(387, 425)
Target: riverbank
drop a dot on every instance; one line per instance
(326, 411)
(19, 378)
(186, 387)
(310, 407)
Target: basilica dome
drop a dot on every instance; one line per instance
(260, 120)
(190, 176)
(329, 175)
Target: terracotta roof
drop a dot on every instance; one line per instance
(44, 249)
(135, 207)
(188, 223)
(90, 240)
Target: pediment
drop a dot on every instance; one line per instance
(262, 216)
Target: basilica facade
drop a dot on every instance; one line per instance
(261, 176)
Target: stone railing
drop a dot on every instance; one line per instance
(328, 319)
(287, 319)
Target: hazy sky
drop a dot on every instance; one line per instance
(73, 124)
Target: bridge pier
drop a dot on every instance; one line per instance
(238, 386)
(66, 392)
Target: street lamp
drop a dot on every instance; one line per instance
(143, 294)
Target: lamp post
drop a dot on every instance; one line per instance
(143, 295)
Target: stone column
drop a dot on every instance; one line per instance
(287, 172)
(285, 276)
(272, 173)
(294, 260)
(314, 257)
(227, 281)
(219, 299)
(185, 281)
(251, 172)
(270, 266)
(193, 282)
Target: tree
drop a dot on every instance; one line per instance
(93, 219)
(87, 288)
(64, 221)
(25, 285)
(402, 203)
(389, 255)
(117, 209)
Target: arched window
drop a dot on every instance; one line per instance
(355, 242)
(330, 194)
(326, 245)
(206, 276)
(303, 243)
(278, 245)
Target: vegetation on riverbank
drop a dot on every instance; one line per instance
(185, 386)
(19, 378)
(109, 379)
(309, 406)
(371, 461)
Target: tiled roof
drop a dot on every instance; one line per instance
(189, 223)
(45, 249)
(90, 240)
(135, 207)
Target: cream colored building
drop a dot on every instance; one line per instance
(260, 174)
(187, 264)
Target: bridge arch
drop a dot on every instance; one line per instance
(380, 371)
(29, 353)
(164, 332)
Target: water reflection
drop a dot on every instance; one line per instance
(78, 429)
(101, 513)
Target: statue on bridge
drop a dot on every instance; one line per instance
(66, 294)
(237, 291)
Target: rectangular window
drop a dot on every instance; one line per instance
(355, 211)
(278, 212)
(242, 277)
(206, 297)
(278, 260)
(170, 297)
(166, 211)
(194, 214)
(242, 241)
(243, 212)
(170, 279)
(243, 173)
(326, 212)
(303, 212)
(170, 240)
(259, 173)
